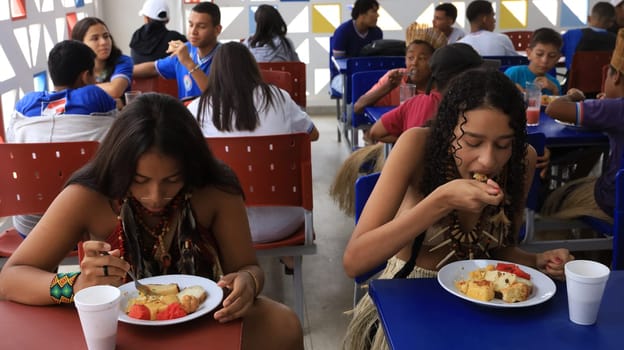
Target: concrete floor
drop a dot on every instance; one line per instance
(328, 292)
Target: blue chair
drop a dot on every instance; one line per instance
(534, 224)
(361, 83)
(508, 61)
(363, 188)
(361, 64)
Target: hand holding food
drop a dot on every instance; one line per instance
(503, 281)
(169, 302)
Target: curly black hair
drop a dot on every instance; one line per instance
(477, 88)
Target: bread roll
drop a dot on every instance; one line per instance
(164, 289)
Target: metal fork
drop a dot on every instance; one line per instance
(138, 285)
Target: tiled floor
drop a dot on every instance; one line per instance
(328, 291)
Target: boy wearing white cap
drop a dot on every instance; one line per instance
(591, 196)
(150, 42)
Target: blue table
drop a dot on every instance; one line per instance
(557, 135)
(420, 314)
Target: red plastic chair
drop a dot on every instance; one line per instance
(156, 84)
(297, 72)
(275, 170)
(2, 130)
(280, 79)
(520, 39)
(586, 71)
(32, 175)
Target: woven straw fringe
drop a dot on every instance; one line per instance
(573, 200)
(365, 313)
(424, 32)
(342, 189)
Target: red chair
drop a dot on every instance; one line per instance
(275, 170)
(280, 79)
(586, 71)
(156, 84)
(32, 175)
(520, 39)
(297, 72)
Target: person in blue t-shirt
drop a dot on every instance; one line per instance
(76, 110)
(113, 70)
(189, 63)
(543, 53)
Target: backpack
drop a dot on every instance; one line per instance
(384, 47)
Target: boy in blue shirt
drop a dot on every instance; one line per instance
(189, 62)
(543, 52)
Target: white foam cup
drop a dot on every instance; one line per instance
(98, 308)
(585, 282)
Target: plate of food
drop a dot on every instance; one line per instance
(177, 299)
(496, 283)
(546, 99)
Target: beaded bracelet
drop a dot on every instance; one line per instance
(62, 287)
(255, 280)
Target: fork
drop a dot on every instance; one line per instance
(138, 285)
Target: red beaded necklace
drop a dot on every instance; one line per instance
(160, 249)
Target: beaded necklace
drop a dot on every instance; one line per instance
(160, 247)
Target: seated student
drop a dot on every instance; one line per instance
(443, 20)
(543, 53)
(386, 91)
(426, 201)
(189, 63)
(142, 189)
(238, 102)
(113, 70)
(445, 63)
(351, 36)
(269, 43)
(480, 14)
(77, 109)
(595, 37)
(151, 40)
(591, 196)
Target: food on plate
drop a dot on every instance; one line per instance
(480, 177)
(546, 99)
(168, 302)
(504, 281)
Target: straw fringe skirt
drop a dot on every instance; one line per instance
(342, 189)
(573, 200)
(360, 334)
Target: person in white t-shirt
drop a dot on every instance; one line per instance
(238, 102)
(443, 20)
(482, 38)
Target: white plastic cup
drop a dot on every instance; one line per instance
(585, 280)
(131, 95)
(406, 91)
(533, 95)
(98, 308)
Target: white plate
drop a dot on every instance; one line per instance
(572, 125)
(215, 294)
(543, 287)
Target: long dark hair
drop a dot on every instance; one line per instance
(153, 121)
(79, 32)
(269, 23)
(474, 89)
(232, 82)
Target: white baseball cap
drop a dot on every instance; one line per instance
(615, 3)
(155, 9)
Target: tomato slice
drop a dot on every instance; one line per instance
(512, 268)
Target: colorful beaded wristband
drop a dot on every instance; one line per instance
(62, 287)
